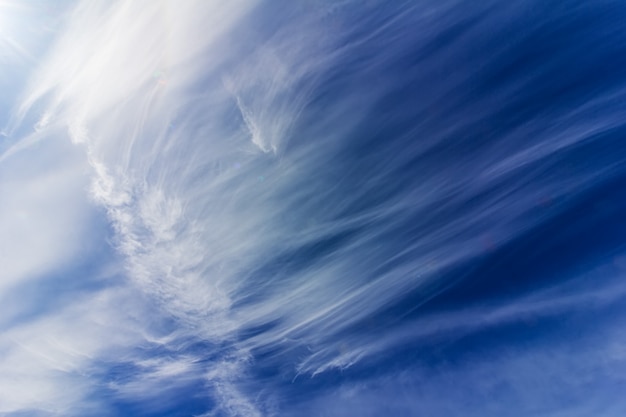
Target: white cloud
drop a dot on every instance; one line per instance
(44, 213)
(47, 362)
(179, 136)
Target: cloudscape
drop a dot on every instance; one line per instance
(315, 208)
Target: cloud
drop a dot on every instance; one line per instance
(47, 362)
(99, 84)
(249, 232)
(44, 224)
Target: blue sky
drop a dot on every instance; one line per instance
(323, 208)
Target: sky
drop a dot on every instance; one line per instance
(259, 208)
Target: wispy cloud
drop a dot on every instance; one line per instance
(212, 148)
(48, 361)
(44, 223)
